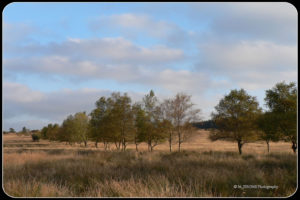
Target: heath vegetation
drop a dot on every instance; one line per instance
(152, 148)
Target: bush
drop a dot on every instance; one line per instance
(35, 137)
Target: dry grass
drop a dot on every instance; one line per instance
(203, 169)
(199, 142)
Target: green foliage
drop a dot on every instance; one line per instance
(121, 114)
(50, 132)
(35, 137)
(44, 132)
(81, 125)
(116, 120)
(141, 124)
(236, 118)
(282, 98)
(25, 130)
(282, 102)
(100, 126)
(68, 130)
(266, 122)
(149, 122)
(112, 120)
(11, 130)
(75, 129)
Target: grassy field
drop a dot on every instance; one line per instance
(203, 169)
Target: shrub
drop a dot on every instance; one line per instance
(35, 137)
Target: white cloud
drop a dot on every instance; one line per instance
(53, 107)
(19, 99)
(251, 55)
(140, 22)
(23, 106)
(134, 26)
(182, 80)
(19, 93)
(167, 79)
(104, 50)
(269, 21)
(254, 64)
(132, 23)
(17, 32)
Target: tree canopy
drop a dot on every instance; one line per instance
(235, 118)
(282, 102)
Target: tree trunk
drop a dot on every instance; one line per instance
(136, 144)
(179, 136)
(136, 147)
(85, 143)
(124, 146)
(294, 146)
(179, 141)
(240, 144)
(118, 145)
(170, 142)
(149, 145)
(152, 146)
(268, 146)
(105, 146)
(96, 144)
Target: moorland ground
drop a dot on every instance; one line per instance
(202, 169)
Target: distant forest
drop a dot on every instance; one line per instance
(208, 124)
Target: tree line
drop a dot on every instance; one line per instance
(239, 118)
(115, 120)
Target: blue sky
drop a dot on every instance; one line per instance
(59, 58)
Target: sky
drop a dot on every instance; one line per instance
(60, 58)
